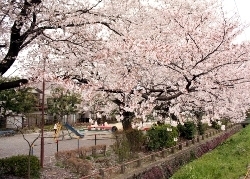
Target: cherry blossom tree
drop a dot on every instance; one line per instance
(34, 28)
(176, 56)
(189, 62)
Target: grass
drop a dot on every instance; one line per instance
(230, 160)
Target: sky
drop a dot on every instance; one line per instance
(241, 7)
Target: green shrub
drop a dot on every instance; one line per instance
(161, 136)
(201, 127)
(187, 130)
(121, 147)
(18, 166)
(181, 130)
(215, 125)
(190, 129)
(225, 121)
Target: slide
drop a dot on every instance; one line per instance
(73, 130)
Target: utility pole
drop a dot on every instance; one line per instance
(42, 122)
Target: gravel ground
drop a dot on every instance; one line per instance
(52, 171)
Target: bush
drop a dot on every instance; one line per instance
(121, 147)
(187, 130)
(161, 136)
(18, 166)
(80, 166)
(215, 125)
(181, 130)
(136, 139)
(82, 153)
(201, 127)
(225, 121)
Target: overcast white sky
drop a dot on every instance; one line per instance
(241, 7)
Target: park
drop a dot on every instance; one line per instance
(90, 88)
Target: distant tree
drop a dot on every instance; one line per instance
(63, 102)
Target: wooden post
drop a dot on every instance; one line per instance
(153, 157)
(172, 150)
(56, 145)
(122, 169)
(32, 150)
(193, 141)
(78, 144)
(202, 137)
(180, 146)
(104, 150)
(198, 139)
(101, 171)
(138, 162)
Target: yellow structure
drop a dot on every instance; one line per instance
(58, 130)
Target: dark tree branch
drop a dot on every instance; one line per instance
(213, 51)
(12, 84)
(111, 90)
(16, 39)
(197, 46)
(118, 102)
(168, 98)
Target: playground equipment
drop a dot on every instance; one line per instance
(56, 135)
(69, 127)
(118, 126)
(106, 126)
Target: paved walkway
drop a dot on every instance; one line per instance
(16, 145)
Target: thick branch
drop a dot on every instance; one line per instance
(111, 90)
(167, 98)
(118, 102)
(16, 39)
(12, 84)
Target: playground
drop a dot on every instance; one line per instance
(66, 139)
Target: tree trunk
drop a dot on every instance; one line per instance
(3, 122)
(127, 120)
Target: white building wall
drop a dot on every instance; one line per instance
(14, 122)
